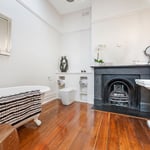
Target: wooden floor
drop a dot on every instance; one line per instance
(78, 127)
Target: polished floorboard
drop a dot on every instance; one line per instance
(78, 127)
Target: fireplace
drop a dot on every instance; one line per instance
(115, 87)
(120, 90)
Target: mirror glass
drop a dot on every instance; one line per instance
(5, 30)
(147, 51)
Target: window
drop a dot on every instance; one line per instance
(5, 30)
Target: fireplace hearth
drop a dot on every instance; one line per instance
(115, 88)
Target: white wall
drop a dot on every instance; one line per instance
(102, 9)
(38, 44)
(44, 10)
(76, 40)
(76, 45)
(35, 48)
(125, 33)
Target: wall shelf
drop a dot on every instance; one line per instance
(74, 73)
(83, 87)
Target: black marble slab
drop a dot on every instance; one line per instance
(140, 71)
(121, 66)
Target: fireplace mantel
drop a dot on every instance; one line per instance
(117, 71)
(121, 66)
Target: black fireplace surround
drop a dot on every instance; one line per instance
(115, 88)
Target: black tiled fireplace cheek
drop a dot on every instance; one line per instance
(115, 89)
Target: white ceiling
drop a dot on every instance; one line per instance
(64, 7)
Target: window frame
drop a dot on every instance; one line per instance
(7, 41)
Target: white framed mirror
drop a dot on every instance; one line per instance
(147, 53)
(5, 35)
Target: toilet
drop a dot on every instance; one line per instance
(67, 95)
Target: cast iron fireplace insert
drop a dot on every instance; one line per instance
(120, 90)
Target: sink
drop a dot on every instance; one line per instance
(145, 83)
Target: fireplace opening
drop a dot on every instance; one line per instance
(119, 94)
